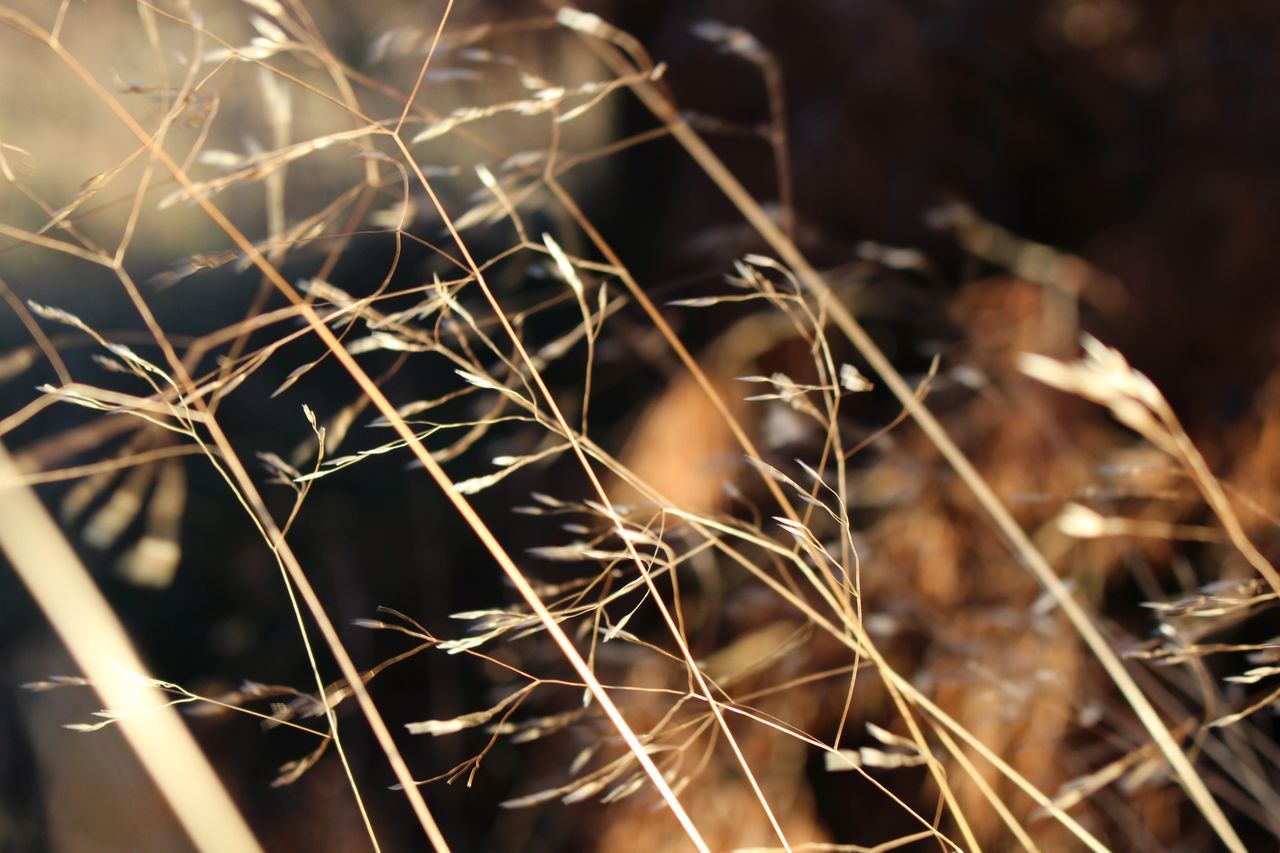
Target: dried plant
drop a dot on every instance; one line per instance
(764, 577)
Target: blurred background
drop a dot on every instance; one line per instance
(1138, 139)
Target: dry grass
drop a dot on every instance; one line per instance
(760, 594)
